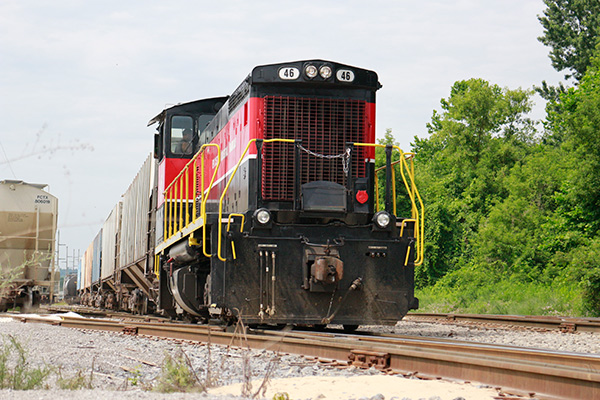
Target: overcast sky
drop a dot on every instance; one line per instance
(79, 80)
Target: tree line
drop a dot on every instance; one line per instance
(513, 209)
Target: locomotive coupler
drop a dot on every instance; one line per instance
(322, 268)
(327, 270)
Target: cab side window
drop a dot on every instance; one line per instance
(182, 135)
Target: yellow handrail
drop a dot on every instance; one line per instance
(417, 211)
(157, 265)
(229, 183)
(412, 191)
(174, 194)
(177, 192)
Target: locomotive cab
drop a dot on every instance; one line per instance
(176, 142)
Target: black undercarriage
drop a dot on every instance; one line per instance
(301, 273)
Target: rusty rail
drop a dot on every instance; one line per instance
(563, 324)
(545, 374)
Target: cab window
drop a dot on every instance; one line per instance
(182, 135)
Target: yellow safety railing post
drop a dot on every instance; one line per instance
(394, 188)
(187, 200)
(157, 265)
(172, 212)
(241, 229)
(205, 195)
(180, 184)
(376, 180)
(194, 194)
(165, 216)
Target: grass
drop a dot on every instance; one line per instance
(177, 375)
(15, 371)
(512, 298)
(79, 380)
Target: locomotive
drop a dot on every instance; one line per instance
(264, 206)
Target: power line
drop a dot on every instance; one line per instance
(8, 161)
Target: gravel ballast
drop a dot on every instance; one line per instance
(120, 360)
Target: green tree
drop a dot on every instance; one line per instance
(575, 119)
(481, 132)
(571, 30)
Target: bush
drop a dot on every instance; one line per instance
(177, 375)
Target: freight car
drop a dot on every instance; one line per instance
(28, 218)
(276, 217)
(70, 289)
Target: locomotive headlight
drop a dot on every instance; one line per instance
(325, 72)
(262, 216)
(382, 219)
(311, 71)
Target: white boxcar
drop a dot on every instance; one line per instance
(135, 215)
(80, 274)
(88, 258)
(28, 217)
(97, 258)
(111, 242)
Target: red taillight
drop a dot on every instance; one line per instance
(362, 196)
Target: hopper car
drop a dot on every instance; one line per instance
(28, 221)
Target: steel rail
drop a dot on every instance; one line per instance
(564, 324)
(545, 374)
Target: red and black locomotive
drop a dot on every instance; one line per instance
(267, 204)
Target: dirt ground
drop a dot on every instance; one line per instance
(343, 388)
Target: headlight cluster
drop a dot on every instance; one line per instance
(311, 71)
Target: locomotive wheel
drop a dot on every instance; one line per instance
(350, 328)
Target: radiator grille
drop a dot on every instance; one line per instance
(324, 126)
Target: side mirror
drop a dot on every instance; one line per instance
(157, 146)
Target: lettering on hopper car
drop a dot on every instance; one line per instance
(42, 199)
(16, 217)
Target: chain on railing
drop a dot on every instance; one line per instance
(344, 156)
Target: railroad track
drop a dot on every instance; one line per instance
(526, 372)
(563, 324)
(545, 323)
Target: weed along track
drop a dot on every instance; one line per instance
(529, 372)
